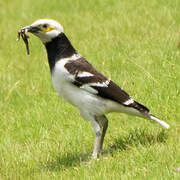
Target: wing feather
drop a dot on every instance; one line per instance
(88, 78)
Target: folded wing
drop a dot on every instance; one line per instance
(89, 79)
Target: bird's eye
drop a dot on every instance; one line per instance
(45, 26)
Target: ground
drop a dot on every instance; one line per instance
(135, 43)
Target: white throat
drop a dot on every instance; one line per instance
(47, 37)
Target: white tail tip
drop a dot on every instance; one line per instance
(160, 122)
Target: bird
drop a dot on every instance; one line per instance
(80, 84)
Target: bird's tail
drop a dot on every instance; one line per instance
(162, 123)
(145, 113)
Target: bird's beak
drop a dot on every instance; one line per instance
(31, 29)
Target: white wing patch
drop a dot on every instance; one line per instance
(98, 84)
(128, 102)
(88, 88)
(84, 74)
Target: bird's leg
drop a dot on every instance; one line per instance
(100, 125)
(104, 124)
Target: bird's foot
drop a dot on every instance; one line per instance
(95, 155)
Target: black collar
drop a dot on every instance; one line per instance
(59, 47)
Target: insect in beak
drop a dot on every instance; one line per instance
(23, 33)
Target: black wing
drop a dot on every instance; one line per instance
(96, 80)
(99, 84)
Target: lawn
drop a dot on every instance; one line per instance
(135, 43)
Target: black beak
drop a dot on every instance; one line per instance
(31, 29)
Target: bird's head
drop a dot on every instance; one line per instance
(45, 29)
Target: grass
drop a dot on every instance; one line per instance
(135, 43)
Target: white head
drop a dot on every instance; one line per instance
(45, 29)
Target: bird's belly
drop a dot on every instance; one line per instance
(78, 97)
(68, 93)
(85, 101)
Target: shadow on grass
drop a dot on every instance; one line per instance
(135, 138)
(138, 137)
(62, 162)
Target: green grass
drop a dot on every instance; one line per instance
(135, 43)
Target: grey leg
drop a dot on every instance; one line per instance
(100, 124)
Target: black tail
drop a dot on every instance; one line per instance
(145, 111)
(139, 107)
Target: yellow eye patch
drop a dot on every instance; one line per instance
(47, 29)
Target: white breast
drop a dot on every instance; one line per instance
(62, 80)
